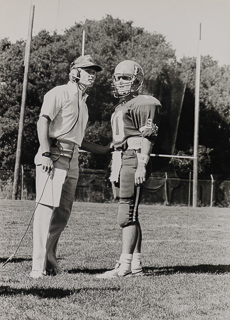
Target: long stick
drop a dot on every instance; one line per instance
(170, 156)
(196, 126)
(22, 113)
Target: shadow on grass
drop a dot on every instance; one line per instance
(87, 271)
(48, 293)
(18, 260)
(154, 271)
(14, 260)
(203, 268)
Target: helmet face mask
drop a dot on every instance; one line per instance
(122, 84)
(127, 78)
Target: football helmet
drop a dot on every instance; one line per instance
(127, 78)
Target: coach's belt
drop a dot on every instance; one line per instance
(63, 148)
(64, 153)
(134, 143)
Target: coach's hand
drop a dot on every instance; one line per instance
(47, 165)
(140, 174)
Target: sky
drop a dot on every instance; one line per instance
(177, 20)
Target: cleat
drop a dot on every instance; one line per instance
(137, 268)
(114, 273)
(138, 273)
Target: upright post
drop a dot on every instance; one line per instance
(22, 113)
(212, 185)
(83, 43)
(189, 189)
(166, 190)
(22, 181)
(196, 126)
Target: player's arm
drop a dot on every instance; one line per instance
(143, 159)
(51, 106)
(147, 119)
(96, 148)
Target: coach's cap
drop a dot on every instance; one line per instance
(85, 62)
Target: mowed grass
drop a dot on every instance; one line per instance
(186, 258)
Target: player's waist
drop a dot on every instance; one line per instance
(134, 143)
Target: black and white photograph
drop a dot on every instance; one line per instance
(114, 160)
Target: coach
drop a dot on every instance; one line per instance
(61, 128)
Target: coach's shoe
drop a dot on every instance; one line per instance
(36, 274)
(117, 272)
(53, 272)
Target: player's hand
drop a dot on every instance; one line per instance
(110, 147)
(140, 174)
(47, 165)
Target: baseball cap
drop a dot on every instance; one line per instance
(85, 62)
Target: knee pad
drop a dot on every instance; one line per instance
(126, 214)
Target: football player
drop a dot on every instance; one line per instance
(135, 123)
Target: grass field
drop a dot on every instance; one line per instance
(186, 258)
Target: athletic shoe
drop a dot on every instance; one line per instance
(36, 274)
(115, 273)
(53, 272)
(136, 267)
(139, 273)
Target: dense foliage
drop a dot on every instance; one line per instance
(110, 41)
(214, 117)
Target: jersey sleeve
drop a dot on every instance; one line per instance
(51, 104)
(146, 117)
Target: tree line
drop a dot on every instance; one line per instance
(110, 41)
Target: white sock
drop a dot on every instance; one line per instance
(125, 261)
(136, 262)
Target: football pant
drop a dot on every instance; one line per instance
(129, 197)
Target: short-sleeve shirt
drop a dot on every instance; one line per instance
(68, 112)
(138, 117)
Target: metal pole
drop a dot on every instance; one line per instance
(22, 113)
(170, 156)
(166, 191)
(196, 126)
(83, 43)
(189, 189)
(22, 181)
(211, 196)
